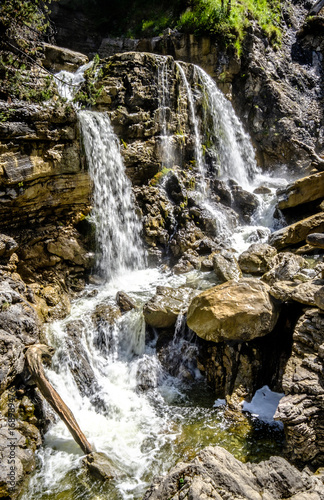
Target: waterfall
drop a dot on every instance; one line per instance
(106, 367)
(167, 149)
(225, 135)
(196, 134)
(117, 228)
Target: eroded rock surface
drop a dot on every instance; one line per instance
(302, 408)
(216, 474)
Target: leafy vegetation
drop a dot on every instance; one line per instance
(23, 25)
(230, 19)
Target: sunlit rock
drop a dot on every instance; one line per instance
(236, 310)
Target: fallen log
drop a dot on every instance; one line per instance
(36, 355)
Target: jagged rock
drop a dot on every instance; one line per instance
(304, 293)
(246, 203)
(298, 232)
(284, 267)
(319, 298)
(69, 248)
(59, 58)
(301, 410)
(226, 266)
(12, 358)
(43, 175)
(257, 258)
(302, 191)
(236, 310)
(125, 302)
(216, 474)
(17, 460)
(316, 240)
(163, 309)
(7, 246)
(99, 465)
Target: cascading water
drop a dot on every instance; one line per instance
(117, 228)
(105, 370)
(167, 150)
(235, 154)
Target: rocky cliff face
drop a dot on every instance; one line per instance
(276, 92)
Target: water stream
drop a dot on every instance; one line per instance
(105, 368)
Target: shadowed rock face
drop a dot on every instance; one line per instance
(302, 408)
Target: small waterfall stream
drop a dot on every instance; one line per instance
(105, 369)
(117, 227)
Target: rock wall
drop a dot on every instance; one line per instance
(277, 92)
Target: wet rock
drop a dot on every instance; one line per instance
(301, 410)
(216, 474)
(284, 267)
(99, 466)
(125, 302)
(244, 202)
(163, 309)
(236, 310)
(302, 191)
(297, 233)
(257, 258)
(226, 266)
(316, 240)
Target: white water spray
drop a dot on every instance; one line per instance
(117, 227)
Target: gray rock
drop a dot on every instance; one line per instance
(284, 267)
(216, 474)
(12, 358)
(226, 266)
(319, 298)
(316, 240)
(302, 408)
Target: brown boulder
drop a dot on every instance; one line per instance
(236, 310)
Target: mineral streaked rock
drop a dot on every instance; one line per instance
(236, 310)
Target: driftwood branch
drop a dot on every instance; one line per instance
(35, 356)
(317, 7)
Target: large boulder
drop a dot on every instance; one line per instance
(302, 191)
(216, 475)
(236, 311)
(297, 291)
(298, 232)
(226, 266)
(257, 258)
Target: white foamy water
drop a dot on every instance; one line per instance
(117, 227)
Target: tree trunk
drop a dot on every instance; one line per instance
(35, 355)
(316, 8)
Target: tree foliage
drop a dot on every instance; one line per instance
(23, 25)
